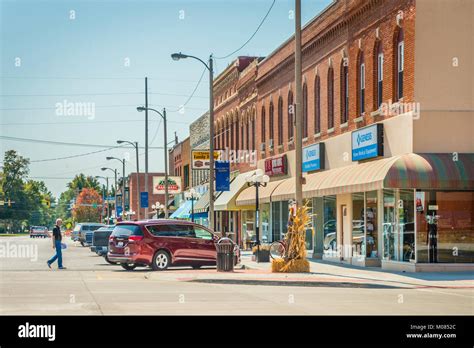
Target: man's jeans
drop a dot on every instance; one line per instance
(58, 256)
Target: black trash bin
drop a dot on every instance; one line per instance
(225, 255)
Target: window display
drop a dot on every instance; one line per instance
(329, 225)
(371, 224)
(358, 224)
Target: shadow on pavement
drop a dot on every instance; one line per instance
(296, 283)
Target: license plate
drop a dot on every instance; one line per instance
(120, 244)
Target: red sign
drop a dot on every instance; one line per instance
(276, 165)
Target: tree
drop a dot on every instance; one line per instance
(88, 206)
(15, 171)
(40, 199)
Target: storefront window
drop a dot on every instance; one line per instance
(309, 228)
(371, 223)
(399, 225)
(445, 227)
(358, 233)
(276, 221)
(329, 225)
(265, 222)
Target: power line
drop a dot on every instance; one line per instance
(40, 141)
(96, 94)
(73, 156)
(90, 78)
(95, 122)
(251, 37)
(96, 106)
(192, 94)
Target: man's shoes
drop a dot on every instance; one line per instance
(49, 265)
(62, 267)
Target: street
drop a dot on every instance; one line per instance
(91, 286)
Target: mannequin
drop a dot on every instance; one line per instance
(432, 238)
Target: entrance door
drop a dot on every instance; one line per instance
(344, 229)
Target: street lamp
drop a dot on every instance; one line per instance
(157, 207)
(135, 145)
(192, 194)
(257, 179)
(105, 195)
(115, 187)
(163, 115)
(123, 180)
(209, 66)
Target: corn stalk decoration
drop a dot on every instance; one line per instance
(294, 258)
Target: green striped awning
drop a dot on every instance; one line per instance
(411, 171)
(432, 171)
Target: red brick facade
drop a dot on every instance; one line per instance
(346, 31)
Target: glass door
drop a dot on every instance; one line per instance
(389, 225)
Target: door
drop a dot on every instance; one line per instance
(204, 247)
(344, 229)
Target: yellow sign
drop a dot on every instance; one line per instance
(200, 158)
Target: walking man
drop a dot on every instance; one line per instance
(56, 238)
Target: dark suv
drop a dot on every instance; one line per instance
(163, 243)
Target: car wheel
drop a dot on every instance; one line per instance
(196, 266)
(161, 261)
(107, 259)
(128, 266)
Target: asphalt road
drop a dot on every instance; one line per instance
(91, 286)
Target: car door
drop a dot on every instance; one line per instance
(204, 244)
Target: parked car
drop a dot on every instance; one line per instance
(163, 243)
(79, 232)
(39, 232)
(100, 241)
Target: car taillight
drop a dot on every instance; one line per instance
(135, 238)
(111, 238)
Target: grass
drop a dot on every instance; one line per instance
(13, 234)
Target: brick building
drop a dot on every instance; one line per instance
(152, 198)
(367, 67)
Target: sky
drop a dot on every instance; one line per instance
(94, 56)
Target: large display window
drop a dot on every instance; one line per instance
(329, 225)
(445, 232)
(364, 224)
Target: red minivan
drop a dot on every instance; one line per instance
(162, 243)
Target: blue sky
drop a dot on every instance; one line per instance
(102, 54)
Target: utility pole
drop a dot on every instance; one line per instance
(166, 164)
(146, 144)
(298, 108)
(211, 146)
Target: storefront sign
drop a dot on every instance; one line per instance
(174, 185)
(313, 157)
(144, 199)
(222, 175)
(276, 165)
(200, 159)
(432, 207)
(420, 201)
(367, 142)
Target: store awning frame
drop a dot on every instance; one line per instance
(226, 200)
(248, 195)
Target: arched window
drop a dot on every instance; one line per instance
(262, 128)
(247, 137)
(317, 105)
(399, 64)
(330, 98)
(305, 111)
(291, 110)
(361, 83)
(270, 121)
(242, 134)
(227, 133)
(344, 91)
(280, 121)
(232, 132)
(237, 130)
(253, 132)
(378, 64)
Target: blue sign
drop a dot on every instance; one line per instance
(144, 199)
(367, 142)
(222, 169)
(119, 210)
(313, 157)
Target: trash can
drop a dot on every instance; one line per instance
(225, 255)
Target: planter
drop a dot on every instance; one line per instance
(263, 256)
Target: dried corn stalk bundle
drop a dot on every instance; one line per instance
(294, 259)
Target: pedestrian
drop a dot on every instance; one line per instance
(56, 238)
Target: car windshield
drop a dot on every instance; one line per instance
(127, 230)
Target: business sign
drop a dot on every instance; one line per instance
(367, 142)
(127, 198)
(276, 165)
(313, 157)
(174, 185)
(200, 159)
(144, 199)
(222, 169)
